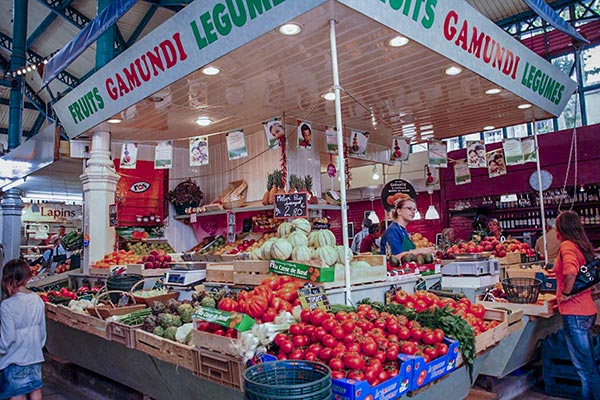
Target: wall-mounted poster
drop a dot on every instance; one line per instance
(513, 151)
(438, 151)
(496, 164)
(163, 155)
(529, 152)
(274, 130)
(129, 155)
(476, 154)
(358, 143)
(331, 136)
(400, 148)
(462, 174)
(236, 145)
(304, 134)
(198, 151)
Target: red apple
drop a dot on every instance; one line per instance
(148, 265)
(168, 258)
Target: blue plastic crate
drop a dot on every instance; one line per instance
(554, 347)
(423, 372)
(561, 387)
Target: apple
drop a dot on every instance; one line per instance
(165, 265)
(168, 258)
(155, 265)
(502, 254)
(488, 247)
(160, 259)
(150, 258)
(148, 265)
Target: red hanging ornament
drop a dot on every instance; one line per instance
(346, 167)
(283, 165)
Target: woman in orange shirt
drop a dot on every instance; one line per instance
(578, 311)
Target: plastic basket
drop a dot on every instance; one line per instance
(121, 282)
(304, 380)
(522, 290)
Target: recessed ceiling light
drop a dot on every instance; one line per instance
(329, 96)
(524, 106)
(398, 41)
(453, 70)
(211, 71)
(203, 121)
(489, 128)
(290, 29)
(493, 91)
(156, 99)
(114, 121)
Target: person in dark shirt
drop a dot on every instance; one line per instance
(368, 244)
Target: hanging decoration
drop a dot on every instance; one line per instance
(198, 151)
(400, 148)
(346, 167)
(273, 131)
(129, 155)
(496, 163)
(331, 136)
(476, 154)
(331, 169)
(282, 145)
(304, 134)
(529, 151)
(236, 145)
(513, 151)
(438, 157)
(432, 176)
(163, 155)
(358, 142)
(462, 173)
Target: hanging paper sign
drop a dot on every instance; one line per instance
(462, 174)
(129, 155)
(304, 134)
(528, 146)
(331, 136)
(396, 190)
(291, 205)
(112, 215)
(236, 145)
(400, 148)
(312, 297)
(163, 155)
(358, 143)
(432, 176)
(476, 154)
(513, 152)
(230, 227)
(496, 164)
(438, 154)
(198, 151)
(274, 130)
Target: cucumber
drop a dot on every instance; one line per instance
(335, 308)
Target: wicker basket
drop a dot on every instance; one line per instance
(522, 290)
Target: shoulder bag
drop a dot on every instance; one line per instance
(588, 275)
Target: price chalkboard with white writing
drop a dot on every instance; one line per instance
(291, 205)
(312, 297)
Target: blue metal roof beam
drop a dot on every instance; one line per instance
(173, 5)
(6, 102)
(36, 101)
(4, 131)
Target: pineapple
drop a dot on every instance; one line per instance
(277, 186)
(308, 185)
(265, 199)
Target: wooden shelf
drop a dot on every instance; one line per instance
(257, 208)
(547, 207)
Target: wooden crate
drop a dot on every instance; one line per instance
(219, 368)
(210, 341)
(51, 312)
(489, 338)
(250, 272)
(89, 324)
(122, 333)
(510, 258)
(515, 321)
(219, 272)
(543, 309)
(165, 349)
(65, 316)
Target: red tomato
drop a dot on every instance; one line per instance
(478, 310)
(428, 337)
(380, 323)
(300, 340)
(269, 315)
(338, 333)
(431, 351)
(280, 337)
(338, 374)
(317, 317)
(227, 304)
(368, 347)
(403, 333)
(256, 306)
(392, 326)
(272, 282)
(371, 376)
(349, 338)
(391, 354)
(341, 316)
(353, 360)
(305, 315)
(466, 301)
(380, 356)
(356, 375)
(264, 291)
(286, 346)
(439, 335)
(400, 297)
(416, 333)
(296, 329)
(325, 354)
(328, 324)
(348, 325)
(408, 348)
(329, 341)
(336, 364)
(296, 354)
(355, 346)
(310, 356)
(383, 376)
(393, 338)
(282, 356)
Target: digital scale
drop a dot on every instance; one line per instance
(471, 274)
(472, 268)
(184, 276)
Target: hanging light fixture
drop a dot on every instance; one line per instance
(375, 173)
(431, 213)
(373, 217)
(417, 216)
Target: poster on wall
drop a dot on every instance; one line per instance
(129, 155)
(304, 135)
(163, 155)
(513, 151)
(438, 154)
(358, 143)
(476, 154)
(496, 164)
(400, 148)
(396, 190)
(529, 152)
(462, 173)
(331, 136)
(274, 130)
(236, 145)
(198, 151)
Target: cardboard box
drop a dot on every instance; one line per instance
(236, 320)
(423, 372)
(312, 271)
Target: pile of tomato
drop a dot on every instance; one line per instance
(361, 345)
(423, 300)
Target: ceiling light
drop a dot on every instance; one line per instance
(398, 41)
(13, 184)
(203, 121)
(524, 106)
(290, 29)
(493, 91)
(417, 216)
(210, 71)
(29, 69)
(18, 72)
(375, 173)
(453, 71)
(329, 96)
(373, 217)
(45, 61)
(489, 127)
(33, 66)
(431, 213)
(114, 121)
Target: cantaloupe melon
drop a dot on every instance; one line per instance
(281, 249)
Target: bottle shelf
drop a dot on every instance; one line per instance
(547, 206)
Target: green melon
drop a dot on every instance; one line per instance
(341, 254)
(312, 239)
(325, 238)
(302, 225)
(281, 249)
(301, 253)
(360, 264)
(298, 239)
(285, 229)
(266, 249)
(327, 254)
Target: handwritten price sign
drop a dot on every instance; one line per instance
(291, 205)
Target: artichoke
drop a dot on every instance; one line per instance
(170, 333)
(159, 331)
(208, 302)
(172, 305)
(185, 311)
(158, 307)
(166, 320)
(149, 323)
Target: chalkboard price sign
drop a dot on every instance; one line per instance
(291, 205)
(312, 297)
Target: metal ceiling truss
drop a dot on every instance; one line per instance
(4, 131)
(138, 29)
(173, 5)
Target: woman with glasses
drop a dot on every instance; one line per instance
(396, 237)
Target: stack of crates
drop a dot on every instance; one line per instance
(560, 376)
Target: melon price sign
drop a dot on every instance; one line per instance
(314, 297)
(291, 205)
